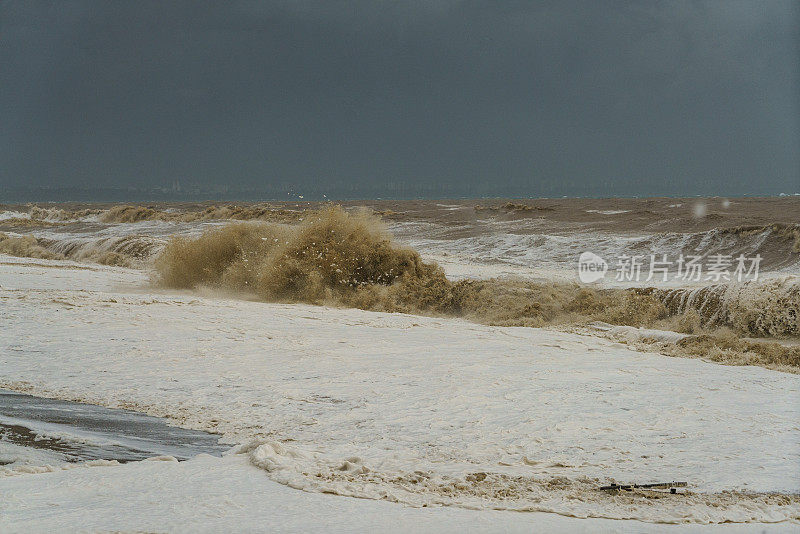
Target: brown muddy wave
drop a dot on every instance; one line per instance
(332, 256)
(777, 244)
(130, 214)
(123, 251)
(26, 246)
(42, 216)
(349, 259)
(341, 258)
(621, 226)
(767, 308)
(784, 231)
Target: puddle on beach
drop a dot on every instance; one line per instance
(74, 432)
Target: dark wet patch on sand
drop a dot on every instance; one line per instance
(81, 432)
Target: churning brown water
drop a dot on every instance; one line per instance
(379, 255)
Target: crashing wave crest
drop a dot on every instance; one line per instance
(125, 251)
(349, 259)
(765, 308)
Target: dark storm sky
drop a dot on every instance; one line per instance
(624, 97)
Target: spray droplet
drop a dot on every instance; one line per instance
(700, 209)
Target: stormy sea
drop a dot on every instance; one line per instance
(460, 355)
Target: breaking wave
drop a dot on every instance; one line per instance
(332, 256)
(527, 244)
(521, 242)
(766, 308)
(26, 246)
(777, 244)
(340, 258)
(133, 214)
(349, 259)
(124, 251)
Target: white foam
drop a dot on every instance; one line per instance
(6, 215)
(366, 399)
(608, 212)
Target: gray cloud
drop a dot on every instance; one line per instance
(485, 97)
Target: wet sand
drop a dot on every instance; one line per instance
(81, 432)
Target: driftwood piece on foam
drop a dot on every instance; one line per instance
(658, 485)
